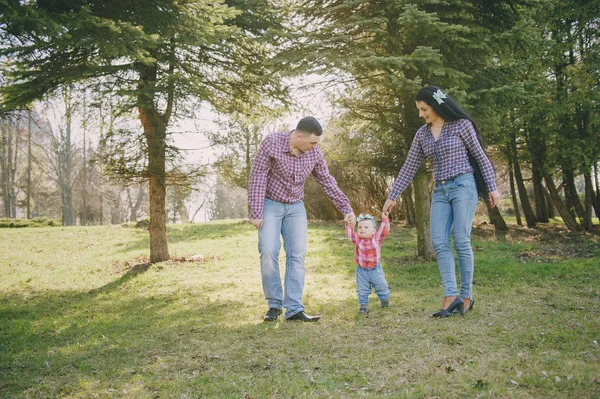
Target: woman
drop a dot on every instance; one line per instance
(447, 138)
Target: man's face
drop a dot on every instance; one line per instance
(307, 141)
(365, 229)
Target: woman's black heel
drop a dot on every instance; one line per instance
(457, 304)
(471, 305)
(467, 310)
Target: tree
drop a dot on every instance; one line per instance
(156, 59)
(388, 50)
(237, 141)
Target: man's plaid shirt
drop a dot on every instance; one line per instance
(448, 154)
(367, 251)
(279, 175)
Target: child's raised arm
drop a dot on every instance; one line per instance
(384, 228)
(350, 233)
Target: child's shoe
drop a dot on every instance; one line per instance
(385, 303)
(363, 309)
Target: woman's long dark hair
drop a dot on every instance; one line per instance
(449, 110)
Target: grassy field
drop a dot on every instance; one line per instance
(82, 316)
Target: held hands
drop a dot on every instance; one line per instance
(350, 219)
(256, 222)
(385, 215)
(494, 197)
(387, 207)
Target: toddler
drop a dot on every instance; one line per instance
(367, 252)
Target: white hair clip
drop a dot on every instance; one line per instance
(438, 95)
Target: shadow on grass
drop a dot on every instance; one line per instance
(54, 343)
(193, 232)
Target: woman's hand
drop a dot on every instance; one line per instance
(494, 197)
(387, 207)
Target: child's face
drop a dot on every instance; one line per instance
(365, 229)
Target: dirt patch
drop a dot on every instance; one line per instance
(121, 267)
(550, 242)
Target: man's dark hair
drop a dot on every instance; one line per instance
(310, 124)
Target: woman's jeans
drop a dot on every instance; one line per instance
(289, 221)
(367, 278)
(452, 210)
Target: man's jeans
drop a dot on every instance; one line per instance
(367, 278)
(289, 221)
(452, 210)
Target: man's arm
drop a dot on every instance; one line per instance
(257, 184)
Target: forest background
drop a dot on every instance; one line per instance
(98, 97)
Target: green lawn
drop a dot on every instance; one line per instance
(79, 319)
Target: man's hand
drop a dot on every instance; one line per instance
(256, 222)
(350, 219)
(494, 197)
(387, 207)
(385, 215)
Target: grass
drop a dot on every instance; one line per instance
(83, 316)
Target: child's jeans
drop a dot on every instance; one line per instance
(367, 278)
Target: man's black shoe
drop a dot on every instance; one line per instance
(304, 317)
(272, 314)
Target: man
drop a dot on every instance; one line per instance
(275, 192)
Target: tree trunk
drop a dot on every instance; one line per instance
(597, 186)
(496, 217)
(4, 166)
(422, 212)
(590, 201)
(571, 196)
(155, 130)
(156, 139)
(134, 207)
(513, 195)
(527, 210)
(66, 187)
(13, 170)
(183, 211)
(84, 185)
(541, 205)
(568, 219)
(29, 159)
(409, 206)
(595, 198)
(549, 204)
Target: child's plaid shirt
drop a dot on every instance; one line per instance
(367, 251)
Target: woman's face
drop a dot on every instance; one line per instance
(427, 113)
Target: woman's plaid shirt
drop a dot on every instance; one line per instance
(448, 155)
(367, 251)
(279, 175)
